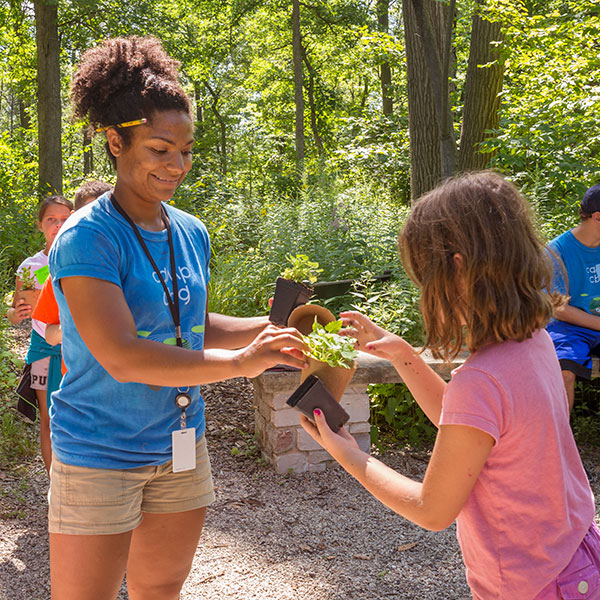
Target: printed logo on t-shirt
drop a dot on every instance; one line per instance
(594, 273)
(183, 274)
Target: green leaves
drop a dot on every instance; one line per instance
(301, 269)
(326, 345)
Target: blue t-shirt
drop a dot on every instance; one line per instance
(582, 265)
(95, 420)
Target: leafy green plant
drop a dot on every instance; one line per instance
(302, 269)
(329, 347)
(27, 279)
(395, 413)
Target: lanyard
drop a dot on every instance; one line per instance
(182, 399)
(172, 301)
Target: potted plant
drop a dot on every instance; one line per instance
(293, 287)
(332, 357)
(28, 291)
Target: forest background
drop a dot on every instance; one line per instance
(318, 122)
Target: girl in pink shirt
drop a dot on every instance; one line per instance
(504, 465)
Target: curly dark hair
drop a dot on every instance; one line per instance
(124, 79)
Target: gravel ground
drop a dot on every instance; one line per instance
(316, 536)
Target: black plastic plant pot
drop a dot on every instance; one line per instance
(288, 295)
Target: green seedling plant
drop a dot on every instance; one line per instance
(301, 269)
(328, 346)
(27, 279)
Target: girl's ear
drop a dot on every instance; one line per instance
(114, 141)
(458, 261)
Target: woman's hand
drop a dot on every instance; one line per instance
(371, 338)
(272, 346)
(340, 445)
(19, 312)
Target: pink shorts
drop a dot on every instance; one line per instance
(580, 579)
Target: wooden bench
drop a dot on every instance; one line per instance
(283, 442)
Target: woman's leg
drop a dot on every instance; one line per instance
(45, 444)
(161, 553)
(87, 567)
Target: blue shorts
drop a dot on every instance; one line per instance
(576, 348)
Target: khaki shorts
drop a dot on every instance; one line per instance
(87, 501)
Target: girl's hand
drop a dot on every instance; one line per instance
(338, 444)
(273, 346)
(371, 338)
(20, 312)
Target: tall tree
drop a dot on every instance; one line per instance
(385, 71)
(298, 85)
(48, 95)
(432, 148)
(428, 26)
(485, 72)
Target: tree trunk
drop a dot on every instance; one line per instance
(222, 149)
(298, 91)
(482, 90)
(427, 31)
(48, 91)
(311, 103)
(385, 72)
(23, 114)
(88, 154)
(423, 125)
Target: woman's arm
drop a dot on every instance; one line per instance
(459, 454)
(424, 383)
(223, 331)
(104, 322)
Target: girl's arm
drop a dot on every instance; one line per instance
(458, 457)
(19, 310)
(104, 322)
(424, 383)
(53, 334)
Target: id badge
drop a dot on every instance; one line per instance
(184, 449)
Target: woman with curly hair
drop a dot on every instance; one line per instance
(131, 477)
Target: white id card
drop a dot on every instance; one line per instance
(184, 449)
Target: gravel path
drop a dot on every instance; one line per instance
(316, 536)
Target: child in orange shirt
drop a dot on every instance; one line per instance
(46, 309)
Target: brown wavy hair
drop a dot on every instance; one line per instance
(498, 291)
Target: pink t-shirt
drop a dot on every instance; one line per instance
(532, 504)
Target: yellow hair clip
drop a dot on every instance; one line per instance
(121, 125)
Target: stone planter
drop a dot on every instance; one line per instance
(288, 295)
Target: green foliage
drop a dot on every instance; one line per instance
(301, 269)
(247, 448)
(395, 414)
(17, 438)
(393, 305)
(586, 408)
(549, 137)
(27, 279)
(326, 345)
